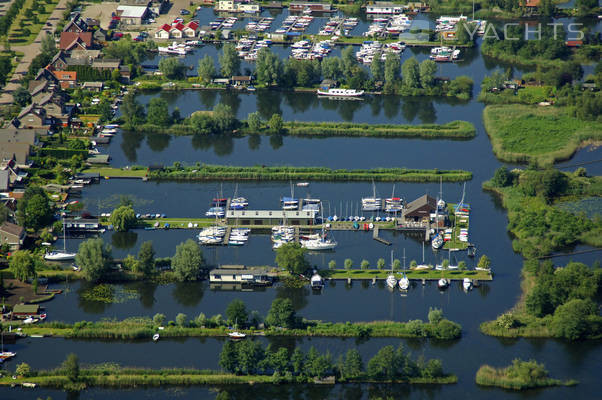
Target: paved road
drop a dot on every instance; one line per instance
(30, 51)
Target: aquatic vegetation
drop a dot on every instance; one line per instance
(110, 294)
(519, 375)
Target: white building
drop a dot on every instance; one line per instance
(232, 6)
(132, 15)
(382, 7)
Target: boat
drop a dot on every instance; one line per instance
(290, 203)
(467, 284)
(391, 280)
(372, 203)
(60, 255)
(30, 320)
(471, 251)
(319, 244)
(302, 184)
(393, 204)
(237, 335)
(437, 242)
(442, 283)
(317, 283)
(155, 337)
(404, 282)
(218, 212)
(341, 93)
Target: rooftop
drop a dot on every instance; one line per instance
(270, 214)
(11, 228)
(132, 11)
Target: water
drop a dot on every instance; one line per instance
(338, 301)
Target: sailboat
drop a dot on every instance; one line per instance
(423, 265)
(404, 282)
(372, 203)
(290, 203)
(321, 243)
(5, 355)
(393, 204)
(437, 241)
(391, 280)
(60, 255)
(467, 284)
(238, 203)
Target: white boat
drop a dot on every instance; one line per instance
(404, 282)
(391, 281)
(237, 335)
(303, 184)
(155, 337)
(30, 320)
(341, 92)
(467, 284)
(317, 282)
(443, 283)
(319, 244)
(59, 256)
(437, 242)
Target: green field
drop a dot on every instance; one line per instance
(522, 133)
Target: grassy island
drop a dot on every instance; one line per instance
(284, 173)
(520, 375)
(521, 133)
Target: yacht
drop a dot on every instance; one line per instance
(391, 281)
(404, 282)
(237, 335)
(319, 244)
(289, 203)
(437, 242)
(442, 283)
(238, 203)
(341, 92)
(218, 212)
(58, 255)
(317, 282)
(372, 203)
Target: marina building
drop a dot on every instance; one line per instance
(240, 274)
(420, 208)
(271, 217)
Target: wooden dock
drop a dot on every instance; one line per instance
(227, 236)
(375, 236)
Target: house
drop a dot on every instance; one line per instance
(93, 86)
(14, 135)
(328, 84)
(79, 224)
(234, 6)
(163, 32)
(25, 310)
(420, 208)
(132, 15)
(126, 73)
(240, 274)
(12, 234)
(249, 8)
(270, 217)
(72, 40)
(40, 88)
(100, 36)
(191, 29)
(106, 64)
(58, 62)
(574, 43)
(384, 7)
(82, 55)
(33, 116)
(67, 79)
(226, 5)
(76, 25)
(532, 4)
(4, 180)
(241, 80)
(177, 30)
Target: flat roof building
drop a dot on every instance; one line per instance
(271, 217)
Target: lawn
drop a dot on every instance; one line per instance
(16, 34)
(117, 172)
(522, 133)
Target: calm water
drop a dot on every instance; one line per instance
(338, 301)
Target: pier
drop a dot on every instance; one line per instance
(379, 239)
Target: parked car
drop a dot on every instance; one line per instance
(184, 11)
(117, 35)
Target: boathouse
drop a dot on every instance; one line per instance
(240, 274)
(271, 217)
(420, 208)
(79, 224)
(25, 310)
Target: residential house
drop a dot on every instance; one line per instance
(12, 234)
(163, 32)
(33, 116)
(100, 36)
(420, 208)
(106, 64)
(38, 89)
(83, 55)
(132, 15)
(241, 80)
(76, 25)
(67, 79)
(4, 180)
(191, 29)
(15, 155)
(126, 73)
(58, 62)
(72, 40)
(93, 86)
(235, 6)
(177, 30)
(53, 104)
(15, 135)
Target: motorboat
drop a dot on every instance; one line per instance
(341, 92)
(319, 244)
(302, 184)
(216, 212)
(442, 283)
(467, 284)
(437, 242)
(317, 282)
(155, 337)
(30, 320)
(237, 335)
(238, 203)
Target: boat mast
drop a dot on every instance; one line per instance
(404, 258)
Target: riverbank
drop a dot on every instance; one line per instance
(418, 275)
(522, 134)
(282, 173)
(141, 328)
(520, 375)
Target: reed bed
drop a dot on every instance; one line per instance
(510, 378)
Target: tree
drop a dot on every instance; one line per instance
(291, 257)
(413, 264)
(332, 68)
(484, 262)
(384, 364)
(494, 81)
(188, 261)
(229, 61)
(410, 73)
(428, 68)
(353, 364)
(181, 319)
(202, 122)
(348, 61)
(298, 361)
(48, 46)
(462, 265)
(502, 177)
(21, 96)
(172, 68)
(146, 258)
(71, 367)
(348, 263)
(236, 312)
(365, 264)
(123, 218)
(281, 314)
(268, 67)
(94, 258)
(228, 358)
(254, 121)
(159, 319)
(377, 68)
(223, 117)
(435, 315)
(23, 369)
(332, 264)
(34, 210)
(275, 123)
(132, 111)
(392, 66)
(396, 264)
(158, 112)
(571, 319)
(380, 264)
(206, 69)
(22, 265)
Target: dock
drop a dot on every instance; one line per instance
(227, 236)
(375, 236)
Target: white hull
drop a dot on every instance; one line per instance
(341, 93)
(59, 256)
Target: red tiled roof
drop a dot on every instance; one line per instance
(165, 27)
(179, 26)
(193, 25)
(68, 38)
(66, 75)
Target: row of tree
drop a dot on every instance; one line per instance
(388, 364)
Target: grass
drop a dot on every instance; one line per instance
(522, 133)
(118, 172)
(454, 130)
(519, 376)
(15, 32)
(411, 274)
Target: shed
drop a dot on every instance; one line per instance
(26, 309)
(420, 208)
(93, 86)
